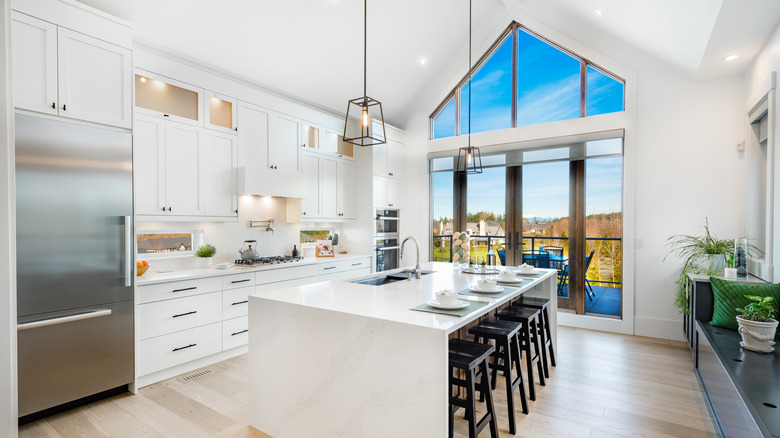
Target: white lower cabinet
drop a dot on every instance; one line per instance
(170, 316)
(235, 332)
(167, 351)
(184, 325)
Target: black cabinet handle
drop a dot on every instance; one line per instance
(240, 302)
(236, 129)
(330, 267)
(238, 333)
(53, 105)
(240, 281)
(356, 264)
(235, 211)
(186, 288)
(391, 205)
(169, 208)
(391, 173)
(192, 312)
(64, 107)
(163, 209)
(182, 348)
(304, 213)
(166, 115)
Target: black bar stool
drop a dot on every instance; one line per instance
(504, 333)
(468, 356)
(544, 330)
(529, 336)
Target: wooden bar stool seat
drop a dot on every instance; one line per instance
(472, 359)
(545, 334)
(529, 341)
(504, 334)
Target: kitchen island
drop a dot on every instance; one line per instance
(343, 359)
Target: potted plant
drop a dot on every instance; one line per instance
(704, 254)
(205, 254)
(756, 325)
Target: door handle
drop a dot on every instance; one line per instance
(63, 319)
(508, 240)
(128, 231)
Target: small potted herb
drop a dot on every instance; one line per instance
(205, 254)
(756, 325)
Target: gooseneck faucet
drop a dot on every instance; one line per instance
(417, 271)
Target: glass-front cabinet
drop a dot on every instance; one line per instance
(164, 97)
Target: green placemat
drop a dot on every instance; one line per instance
(473, 305)
(507, 290)
(534, 274)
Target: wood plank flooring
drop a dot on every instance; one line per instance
(605, 385)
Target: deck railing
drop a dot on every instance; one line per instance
(605, 268)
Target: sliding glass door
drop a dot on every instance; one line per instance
(556, 208)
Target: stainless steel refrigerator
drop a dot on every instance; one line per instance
(74, 239)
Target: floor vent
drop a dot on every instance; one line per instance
(193, 376)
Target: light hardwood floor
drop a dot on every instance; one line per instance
(605, 385)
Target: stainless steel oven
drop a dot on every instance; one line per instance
(386, 244)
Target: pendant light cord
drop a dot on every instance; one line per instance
(469, 144)
(365, 45)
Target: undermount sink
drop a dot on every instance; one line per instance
(379, 280)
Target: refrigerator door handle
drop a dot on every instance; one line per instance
(63, 319)
(128, 243)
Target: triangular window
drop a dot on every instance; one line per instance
(550, 84)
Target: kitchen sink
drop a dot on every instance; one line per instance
(379, 280)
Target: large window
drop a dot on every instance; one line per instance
(549, 83)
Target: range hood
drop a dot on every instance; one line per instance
(265, 182)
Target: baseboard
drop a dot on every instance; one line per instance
(670, 329)
(167, 373)
(570, 319)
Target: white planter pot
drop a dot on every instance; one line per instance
(756, 335)
(204, 262)
(712, 262)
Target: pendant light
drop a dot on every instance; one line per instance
(469, 159)
(359, 130)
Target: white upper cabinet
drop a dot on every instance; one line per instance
(388, 159)
(310, 205)
(59, 71)
(329, 187)
(284, 143)
(220, 178)
(184, 169)
(252, 136)
(388, 193)
(35, 73)
(220, 112)
(325, 140)
(94, 80)
(346, 189)
(149, 165)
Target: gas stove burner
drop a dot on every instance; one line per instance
(270, 260)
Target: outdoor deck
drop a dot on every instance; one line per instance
(606, 301)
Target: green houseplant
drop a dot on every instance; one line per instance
(205, 254)
(697, 253)
(756, 325)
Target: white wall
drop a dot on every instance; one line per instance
(8, 407)
(681, 165)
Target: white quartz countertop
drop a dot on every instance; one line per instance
(154, 276)
(393, 301)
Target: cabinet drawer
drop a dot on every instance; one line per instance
(235, 332)
(155, 319)
(238, 280)
(176, 348)
(348, 265)
(282, 274)
(354, 273)
(328, 268)
(177, 289)
(235, 302)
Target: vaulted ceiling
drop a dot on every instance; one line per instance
(312, 50)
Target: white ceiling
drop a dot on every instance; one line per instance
(312, 49)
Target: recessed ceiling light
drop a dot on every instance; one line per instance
(598, 12)
(731, 57)
(422, 60)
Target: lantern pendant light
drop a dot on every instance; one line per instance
(360, 130)
(469, 159)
